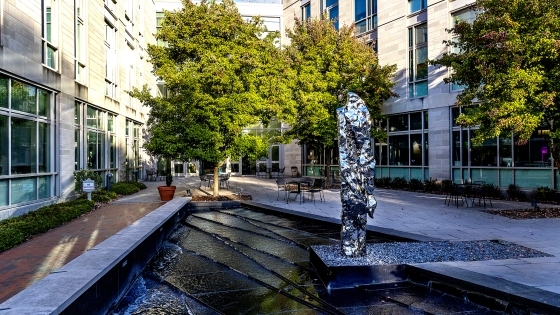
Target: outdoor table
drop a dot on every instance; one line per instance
(298, 182)
(468, 190)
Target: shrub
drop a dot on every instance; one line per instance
(432, 185)
(415, 184)
(384, 182)
(14, 231)
(544, 194)
(515, 193)
(446, 185)
(492, 191)
(399, 183)
(103, 196)
(124, 188)
(138, 184)
(10, 237)
(82, 175)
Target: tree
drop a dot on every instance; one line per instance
(508, 64)
(221, 73)
(329, 64)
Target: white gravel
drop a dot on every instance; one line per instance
(422, 252)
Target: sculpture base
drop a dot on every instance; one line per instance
(389, 262)
(349, 276)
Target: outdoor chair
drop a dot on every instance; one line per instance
(317, 188)
(151, 174)
(224, 180)
(295, 172)
(281, 172)
(281, 185)
(482, 193)
(204, 179)
(455, 193)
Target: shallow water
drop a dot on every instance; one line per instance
(245, 262)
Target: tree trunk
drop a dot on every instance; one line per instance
(216, 182)
(328, 165)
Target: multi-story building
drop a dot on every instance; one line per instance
(423, 141)
(65, 67)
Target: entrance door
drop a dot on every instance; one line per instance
(248, 166)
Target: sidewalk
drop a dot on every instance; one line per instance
(417, 213)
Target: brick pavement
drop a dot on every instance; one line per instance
(25, 264)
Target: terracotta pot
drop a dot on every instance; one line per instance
(166, 192)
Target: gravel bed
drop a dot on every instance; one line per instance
(422, 252)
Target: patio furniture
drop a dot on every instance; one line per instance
(151, 174)
(224, 180)
(281, 185)
(482, 193)
(296, 187)
(317, 188)
(295, 172)
(204, 179)
(281, 172)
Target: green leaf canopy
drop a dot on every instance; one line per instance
(221, 73)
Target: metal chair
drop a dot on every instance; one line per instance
(204, 179)
(281, 185)
(281, 172)
(224, 180)
(295, 172)
(317, 188)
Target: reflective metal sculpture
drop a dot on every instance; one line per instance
(357, 171)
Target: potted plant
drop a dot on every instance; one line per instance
(167, 192)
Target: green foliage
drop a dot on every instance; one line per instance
(124, 188)
(14, 231)
(432, 185)
(492, 191)
(399, 183)
(221, 75)
(103, 196)
(82, 175)
(545, 194)
(384, 182)
(328, 64)
(415, 185)
(508, 62)
(10, 237)
(140, 185)
(168, 179)
(515, 193)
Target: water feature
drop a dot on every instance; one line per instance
(239, 261)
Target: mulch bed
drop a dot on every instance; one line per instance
(530, 213)
(221, 198)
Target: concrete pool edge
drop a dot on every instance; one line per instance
(97, 279)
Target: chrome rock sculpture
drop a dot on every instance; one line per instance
(357, 171)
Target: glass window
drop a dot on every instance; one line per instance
(77, 150)
(44, 103)
(275, 153)
(44, 148)
(416, 121)
(3, 193)
(456, 149)
(4, 142)
(113, 152)
(425, 120)
(96, 150)
(333, 16)
(398, 123)
(484, 154)
(417, 5)
(365, 15)
(3, 92)
(77, 114)
(24, 97)
(306, 11)
(454, 114)
(505, 152)
(535, 152)
(44, 187)
(24, 189)
(24, 150)
(359, 9)
(426, 155)
(418, 60)
(416, 149)
(110, 123)
(50, 51)
(465, 147)
(398, 150)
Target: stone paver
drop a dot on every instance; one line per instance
(410, 212)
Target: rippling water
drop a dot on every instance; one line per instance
(245, 262)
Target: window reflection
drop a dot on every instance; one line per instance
(24, 150)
